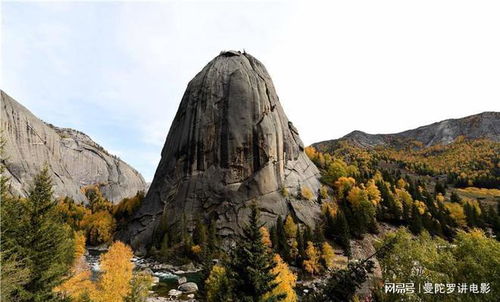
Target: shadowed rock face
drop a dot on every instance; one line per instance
(230, 144)
(72, 157)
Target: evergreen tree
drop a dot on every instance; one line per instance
(416, 220)
(251, 264)
(343, 234)
(47, 244)
(455, 197)
(282, 247)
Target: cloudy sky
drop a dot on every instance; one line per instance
(117, 70)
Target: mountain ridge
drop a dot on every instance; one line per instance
(481, 125)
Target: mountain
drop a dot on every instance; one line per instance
(483, 125)
(72, 157)
(229, 145)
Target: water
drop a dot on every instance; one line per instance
(168, 280)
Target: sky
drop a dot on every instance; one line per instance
(117, 70)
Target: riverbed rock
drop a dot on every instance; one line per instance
(230, 145)
(174, 293)
(182, 280)
(188, 287)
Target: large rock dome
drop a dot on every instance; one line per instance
(229, 145)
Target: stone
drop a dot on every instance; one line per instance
(155, 280)
(230, 145)
(190, 296)
(73, 158)
(181, 280)
(188, 287)
(174, 293)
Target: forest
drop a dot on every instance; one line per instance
(426, 224)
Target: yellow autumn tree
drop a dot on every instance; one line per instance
(373, 192)
(306, 193)
(356, 196)
(285, 279)
(311, 264)
(328, 255)
(343, 185)
(217, 285)
(114, 284)
(78, 284)
(290, 227)
(329, 207)
(266, 238)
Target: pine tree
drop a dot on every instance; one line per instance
(282, 247)
(47, 243)
(343, 234)
(416, 220)
(251, 265)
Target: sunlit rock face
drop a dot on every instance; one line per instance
(73, 159)
(229, 145)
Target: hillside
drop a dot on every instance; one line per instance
(484, 125)
(72, 157)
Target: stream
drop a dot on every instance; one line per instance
(168, 275)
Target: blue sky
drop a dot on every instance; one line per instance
(117, 70)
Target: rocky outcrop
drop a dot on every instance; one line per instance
(71, 156)
(229, 145)
(483, 125)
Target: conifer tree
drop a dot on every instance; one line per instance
(47, 244)
(282, 247)
(343, 234)
(251, 265)
(416, 220)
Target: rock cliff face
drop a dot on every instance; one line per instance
(229, 145)
(483, 125)
(72, 157)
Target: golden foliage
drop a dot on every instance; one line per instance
(373, 192)
(440, 197)
(481, 191)
(328, 255)
(311, 264)
(285, 279)
(196, 249)
(77, 286)
(306, 193)
(456, 213)
(79, 245)
(266, 238)
(356, 196)
(344, 184)
(128, 206)
(329, 207)
(323, 192)
(401, 183)
(290, 227)
(420, 206)
(114, 284)
(99, 227)
(216, 282)
(404, 197)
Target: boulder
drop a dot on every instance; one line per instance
(174, 293)
(188, 287)
(182, 280)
